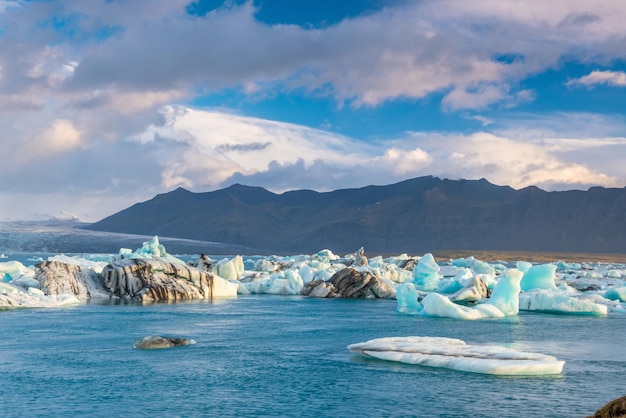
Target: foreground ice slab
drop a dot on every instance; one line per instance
(454, 354)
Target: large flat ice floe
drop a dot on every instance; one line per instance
(454, 354)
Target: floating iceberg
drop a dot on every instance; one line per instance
(454, 354)
(229, 269)
(426, 273)
(539, 277)
(16, 297)
(618, 293)
(552, 301)
(503, 301)
(151, 250)
(476, 265)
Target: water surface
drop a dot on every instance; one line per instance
(287, 356)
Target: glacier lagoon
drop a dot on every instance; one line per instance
(260, 355)
(287, 355)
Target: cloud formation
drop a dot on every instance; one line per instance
(283, 156)
(154, 48)
(610, 78)
(94, 97)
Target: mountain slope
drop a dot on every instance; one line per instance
(416, 215)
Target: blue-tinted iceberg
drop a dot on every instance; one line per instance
(617, 293)
(477, 266)
(505, 295)
(455, 354)
(539, 277)
(503, 301)
(150, 250)
(426, 273)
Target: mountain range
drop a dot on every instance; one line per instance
(413, 216)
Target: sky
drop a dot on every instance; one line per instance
(106, 103)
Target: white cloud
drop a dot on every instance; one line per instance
(208, 147)
(129, 103)
(484, 121)
(70, 104)
(61, 136)
(462, 98)
(408, 51)
(402, 162)
(213, 149)
(611, 78)
(205, 150)
(505, 161)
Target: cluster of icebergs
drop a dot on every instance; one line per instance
(464, 288)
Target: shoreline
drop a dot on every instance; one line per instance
(531, 256)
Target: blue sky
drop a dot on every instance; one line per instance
(107, 103)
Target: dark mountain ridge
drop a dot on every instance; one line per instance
(416, 215)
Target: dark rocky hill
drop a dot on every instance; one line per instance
(421, 214)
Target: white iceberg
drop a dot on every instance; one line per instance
(286, 282)
(553, 301)
(14, 270)
(151, 250)
(16, 297)
(229, 269)
(454, 354)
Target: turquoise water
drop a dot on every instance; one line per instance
(287, 356)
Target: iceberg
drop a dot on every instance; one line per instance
(474, 291)
(151, 250)
(539, 277)
(454, 354)
(14, 270)
(408, 299)
(58, 278)
(426, 273)
(618, 293)
(503, 301)
(438, 305)
(153, 280)
(456, 281)
(550, 301)
(505, 295)
(229, 269)
(475, 265)
(16, 297)
(351, 283)
(287, 282)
